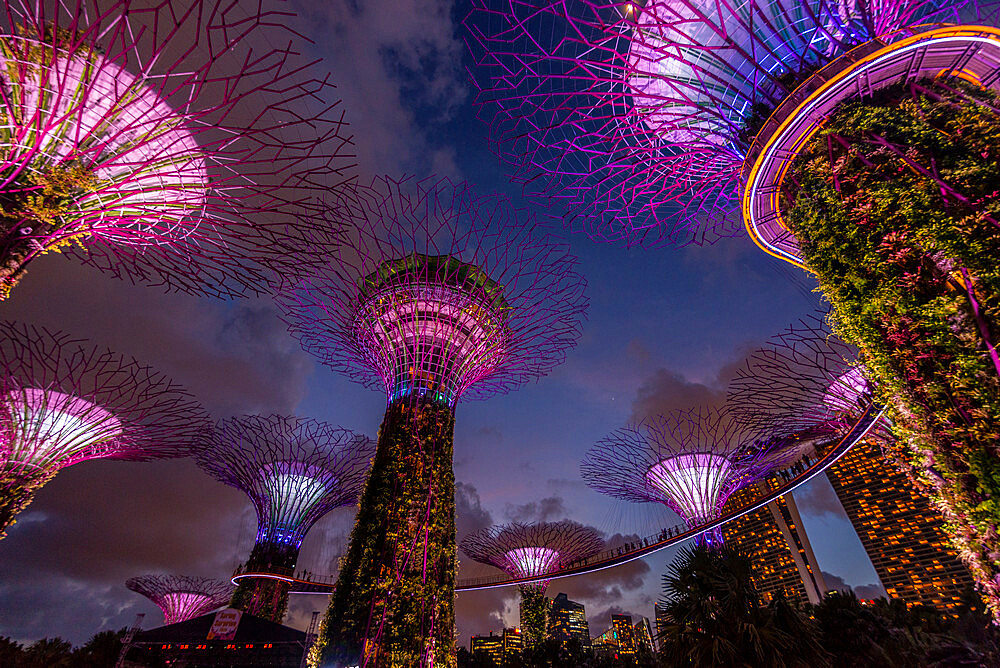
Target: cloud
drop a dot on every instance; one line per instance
(64, 567)
(549, 509)
(398, 69)
(235, 357)
(818, 498)
(835, 582)
(665, 390)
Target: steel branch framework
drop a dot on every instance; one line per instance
(63, 401)
(438, 292)
(183, 144)
(639, 115)
(689, 460)
(295, 470)
(808, 379)
(182, 597)
(530, 550)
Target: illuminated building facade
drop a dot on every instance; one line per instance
(643, 634)
(500, 648)
(902, 533)
(624, 634)
(776, 542)
(568, 621)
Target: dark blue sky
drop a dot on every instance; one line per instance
(663, 325)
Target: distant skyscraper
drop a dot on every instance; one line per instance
(660, 616)
(568, 621)
(775, 540)
(902, 533)
(621, 626)
(643, 635)
(498, 647)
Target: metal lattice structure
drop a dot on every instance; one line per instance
(295, 470)
(182, 597)
(64, 401)
(807, 379)
(182, 144)
(690, 460)
(438, 291)
(529, 550)
(650, 119)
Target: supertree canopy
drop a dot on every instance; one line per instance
(181, 597)
(690, 460)
(173, 143)
(64, 401)
(531, 550)
(859, 140)
(808, 380)
(437, 294)
(295, 471)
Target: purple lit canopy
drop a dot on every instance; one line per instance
(438, 290)
(531, 550)
(181, 597)
(808, 379)
(295, 470)
(691, 460)
(175, 143)
(638, 116)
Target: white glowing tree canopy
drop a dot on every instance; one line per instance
(531, 561)
(293, 490)
(46, 427)
(87, 110)
(696, 484)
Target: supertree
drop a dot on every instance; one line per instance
(531, 550)
(295, 470)
(439, 294)
(690, 460)
(808, 380)
(858, 140)
(182, 597)
(181, 144)
(64, 401)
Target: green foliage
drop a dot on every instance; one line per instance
(896, 205)
(396, 590)
(534, 615)
(266, 597)
(16, 493)
(716, 617)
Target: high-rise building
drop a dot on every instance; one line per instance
(902, 533)
(512, 642)
(491, 646)
(568, 621)
(660, 615)
(643, 634)
(775, 540)
(500, 648)
(621, 627)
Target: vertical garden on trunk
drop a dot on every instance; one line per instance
(896, 203)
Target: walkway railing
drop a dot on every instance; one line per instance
(788, 480)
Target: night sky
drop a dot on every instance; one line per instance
(665, 329)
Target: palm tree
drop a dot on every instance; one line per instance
(716, 618)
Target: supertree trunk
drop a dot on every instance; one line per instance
(896, 205)
(534, 615)
(394, 600)
(266, 597)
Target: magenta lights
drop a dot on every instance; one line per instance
(689, 460)
(437, 292)
(63, 401)
(639, 116)
(182, 597)
(192, 168)
(294, 470)
(807, 379)
(532, 550)
(694, 482)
